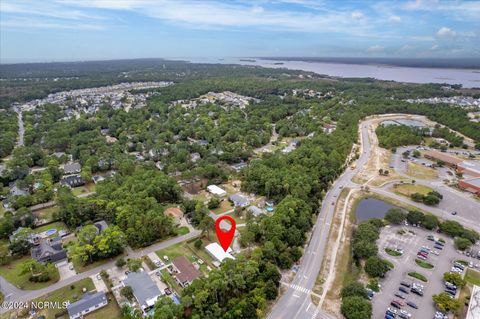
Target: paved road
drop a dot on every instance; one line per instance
(15, 294)
(21, 128)
(296, 303)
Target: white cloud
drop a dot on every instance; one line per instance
(394, 19)
(376, 48)
(357, 15)
(445, 32)
(434, 47)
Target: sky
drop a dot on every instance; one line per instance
(78, 30)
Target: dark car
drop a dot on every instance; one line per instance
(406, 284)
(412, 304)
(402, 289)
(390, 313)
(439, 243)
(387, 316)
(396, 305)
(438, 247)
(417, 292)
(399, 295)
(403, 316)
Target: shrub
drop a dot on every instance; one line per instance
(356, 308)
(354, 289)
(418, 276)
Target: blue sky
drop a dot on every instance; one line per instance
(66, 30)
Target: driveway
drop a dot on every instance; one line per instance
(65, 269)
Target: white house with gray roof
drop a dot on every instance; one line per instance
(89, 302)
(239, 200)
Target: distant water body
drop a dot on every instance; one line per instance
(468, 78)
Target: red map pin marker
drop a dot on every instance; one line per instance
(225, 237)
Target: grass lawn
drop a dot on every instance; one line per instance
(111, 311)
(472, 276)
(409, 189)
(225, 206)
(11, 273)
(420, 171)
(392, 252)
(188, 250)
(81, 268)
(170, 281)
(47, 213)
(237, 219)
(423, 264)
(201, 196)
(182, 230)
(65, 294)
(418, 276)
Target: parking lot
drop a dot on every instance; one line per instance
(410, 242)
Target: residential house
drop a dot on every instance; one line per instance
(471, 185)
(49, 250)
(239, 200)
(215, 190)
(174, 212)
(97, 178)
(101, 226)
(72, 168)
(89, 303)
(239, 166)
(145, 290)
(185, 271)
(72, 181)
(217, 252)
(195, 157)
(256, 211)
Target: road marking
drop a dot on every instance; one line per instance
(309, 305)
(315, 314)
(296, 296)
(300, 289)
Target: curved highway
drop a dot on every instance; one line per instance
(296, 303)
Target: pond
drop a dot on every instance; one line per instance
(371, 208)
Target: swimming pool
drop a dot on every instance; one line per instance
(51, 232)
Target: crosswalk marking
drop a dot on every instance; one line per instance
(300, 289)
(315, 314)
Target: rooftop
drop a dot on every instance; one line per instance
(473, 181)
(187, 273)
(443, 157)
(144, 288)
(473, 311)
(217, 252)
(470, 165)
(88, 300)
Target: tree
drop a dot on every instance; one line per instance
(430, 222)
(364, 249)
(444, 303)
(214, 203)
(395, 216)
(454, 278)
(20, 244)
(415, 217)
(38, 272)
(198, 244)
(127, 292)
(354, 289)
(431, 200)
(134, 264)
(417, 197)
(462, 243)
(206, 225)
(376, 267)
(120, 262)
(165, 308)
(356, 308)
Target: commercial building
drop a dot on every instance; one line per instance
(471, 168)
(217, 252)
(215, 190)
(185, 271)
(89, 302)
(473, 311)
(145, 290)
(471, 185)
(449, 160)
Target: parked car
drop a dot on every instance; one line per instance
(403, 289)
(396, 305)
(412, 304)
(417, 292)
(405, 284)
(399, 295)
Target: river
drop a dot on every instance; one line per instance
(468, 78)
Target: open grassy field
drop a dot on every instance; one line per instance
(11, 272)
(472, 276)
(409, 189)
(225, 206)
(87, 188)
(47, 213)
(421, 172)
